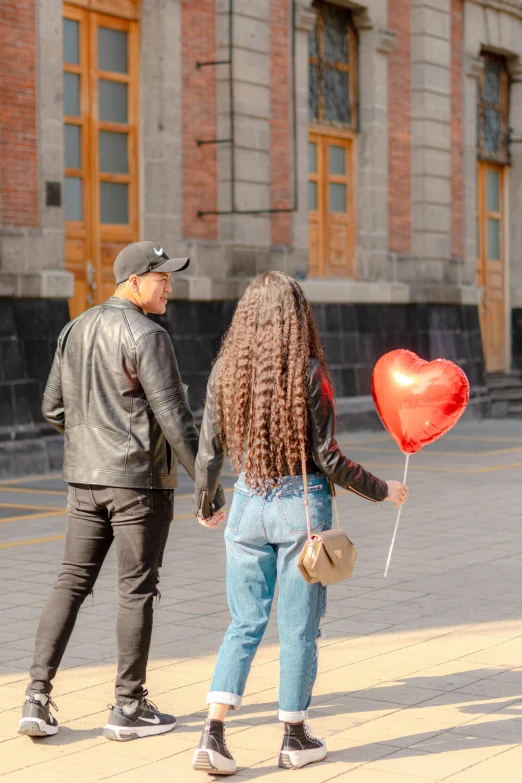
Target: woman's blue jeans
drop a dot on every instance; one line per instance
(264, 537)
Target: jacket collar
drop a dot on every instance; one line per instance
(118, 301)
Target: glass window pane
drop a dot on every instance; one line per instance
(492, 191)
(490, 130)
(336, 160)
(112, 50)
(73, 146)
(312, 157)
(114, 156)
(71, 94)
(313, 45)
(336, 197)
(312, 195)
(491, 83)
(73, 198)
(71, 41)
(114, 202)
(493, 239)
(335, 33)
(112, 101)
(336, 96)
(313, 93)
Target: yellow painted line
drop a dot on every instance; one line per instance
(446, 453)
(27, 491)
(34, 508)
(32, 541)
(27, 479)
(485, 438)
(32, 516)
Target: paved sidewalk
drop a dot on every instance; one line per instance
(420, 674)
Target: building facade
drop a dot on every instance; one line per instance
(371, 149)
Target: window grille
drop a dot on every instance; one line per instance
(332, 96)
(493, 110)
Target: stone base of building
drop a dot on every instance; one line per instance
(354, 337)
(516, 338)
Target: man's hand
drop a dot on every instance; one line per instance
(397, 492)
(212, 521)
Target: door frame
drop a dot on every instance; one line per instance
(341, 134)
(91, 231)
(481, 264)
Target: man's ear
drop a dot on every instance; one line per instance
(134, 284)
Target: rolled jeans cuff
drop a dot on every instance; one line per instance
(222, 697)
(293, 717)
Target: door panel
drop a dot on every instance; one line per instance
(331, 206)
(490, 264)
(101, 119)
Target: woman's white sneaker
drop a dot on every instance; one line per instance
(212, 755)
(300, 747)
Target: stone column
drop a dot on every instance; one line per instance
(251, 126)
(375, 43)
(473, 67)
(431, 142)
(515, 187)
(305, 21)
(160, 113)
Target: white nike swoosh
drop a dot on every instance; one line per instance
(155, 719)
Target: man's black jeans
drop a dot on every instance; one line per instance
(138, 521)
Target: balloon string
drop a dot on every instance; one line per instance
(398, 518)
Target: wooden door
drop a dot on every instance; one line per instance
(490, 265)
(331, 205)
(101, 166)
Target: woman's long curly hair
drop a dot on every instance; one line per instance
(261, 389)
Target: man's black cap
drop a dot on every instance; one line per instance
(141, 257)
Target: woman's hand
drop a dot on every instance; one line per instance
(397, 492)
(212, 521)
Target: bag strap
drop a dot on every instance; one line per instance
(305, 487)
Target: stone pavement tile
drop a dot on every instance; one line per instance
(417, 763)
(501, 725)
(398, 693)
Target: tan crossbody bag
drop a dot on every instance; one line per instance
(329, 556)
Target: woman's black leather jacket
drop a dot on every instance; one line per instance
(324, 449)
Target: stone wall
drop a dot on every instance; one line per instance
(29, 329)
(354, 337)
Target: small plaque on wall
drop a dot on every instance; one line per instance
(53, 194)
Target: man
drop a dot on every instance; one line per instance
(116, 394)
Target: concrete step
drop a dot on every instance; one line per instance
(511, 394)
(503, 381)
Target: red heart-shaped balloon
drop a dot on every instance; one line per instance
(418, 401)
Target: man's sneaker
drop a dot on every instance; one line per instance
(137, 719)
(37, 720)
(212, 755)
(300, 747)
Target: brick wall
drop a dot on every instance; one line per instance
(399, 193)
(199, 117)
(280, 121)
(18, 150)
(457, 187)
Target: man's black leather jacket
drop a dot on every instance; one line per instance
(116, 394)
(325, 453)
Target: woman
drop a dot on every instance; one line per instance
(270, 397)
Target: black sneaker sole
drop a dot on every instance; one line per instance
(126, 733)
(202, 763)
(285, 761)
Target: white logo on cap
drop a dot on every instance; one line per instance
(159, 252)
